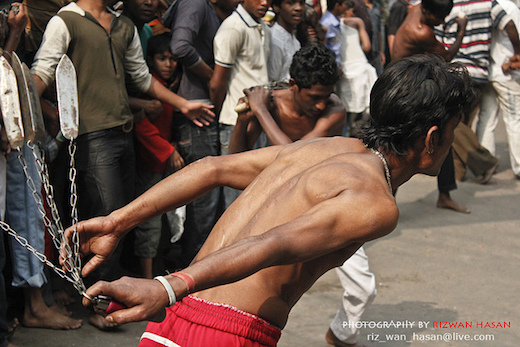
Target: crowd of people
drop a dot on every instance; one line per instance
(212, 114)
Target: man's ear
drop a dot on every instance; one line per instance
(293, 86)
(431, 140)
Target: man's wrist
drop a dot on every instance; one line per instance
(169, 290)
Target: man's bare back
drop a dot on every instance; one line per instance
(258, 210)
(416, 35)
(413, 36)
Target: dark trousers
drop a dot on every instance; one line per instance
(446, 179)
(105, 161)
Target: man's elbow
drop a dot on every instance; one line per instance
(213, 168)
(184, 53)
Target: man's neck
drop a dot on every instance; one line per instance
(93, 6)
(288, 27)
(336, 12)
(221, 13)
(138, 23)
(401, 168)
(422, 15)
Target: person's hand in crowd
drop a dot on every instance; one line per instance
(199, 113)
(175, 162)
(17, 19)
(153, 109)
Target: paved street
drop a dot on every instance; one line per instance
(438, 267)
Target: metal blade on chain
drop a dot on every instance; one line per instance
(37, 124)
(34, 130)
(67, 92)
(10, 104)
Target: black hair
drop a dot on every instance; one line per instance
(332, 3)
(439, 8)
(411, 96)
(158, 44)
(314, 64)
(350, 4)
(276, 3)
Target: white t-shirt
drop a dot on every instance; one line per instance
(241, 44)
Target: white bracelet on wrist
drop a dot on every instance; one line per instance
(169, 289)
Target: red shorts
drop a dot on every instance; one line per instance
(194, 322)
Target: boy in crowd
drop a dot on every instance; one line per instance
(331, 21)
(242, 45)
(284, 44)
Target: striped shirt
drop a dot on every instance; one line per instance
(483, 16)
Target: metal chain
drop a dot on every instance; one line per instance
(37, 198)
(22, 241)
(57, 231)
(74, 210)
(71, 260)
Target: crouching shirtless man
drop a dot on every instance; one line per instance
(305, 209)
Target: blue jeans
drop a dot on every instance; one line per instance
(225, 133)
(4, 327)
(23, 216)
(105, 161)
(202, 213)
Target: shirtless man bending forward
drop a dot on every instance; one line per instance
(416, 35)
(305, 209)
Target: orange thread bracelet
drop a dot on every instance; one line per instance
(187, 279)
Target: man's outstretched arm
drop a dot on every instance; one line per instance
(321, 231)
(102, 234)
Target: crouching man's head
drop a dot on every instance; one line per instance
(314, 73)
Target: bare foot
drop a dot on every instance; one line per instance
(333, 340)
(49, 319)
(11, 328)
(445, 201)
(62, 298)
(61, 310)
(101, 323)
(488, 174)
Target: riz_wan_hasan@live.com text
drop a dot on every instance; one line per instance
(436, 329)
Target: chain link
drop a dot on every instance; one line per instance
(76, 260)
